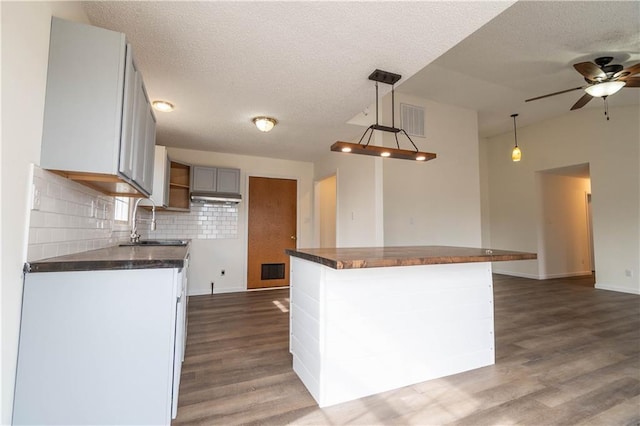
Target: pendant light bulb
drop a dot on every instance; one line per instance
(516, 154)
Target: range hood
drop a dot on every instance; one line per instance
(215, 198)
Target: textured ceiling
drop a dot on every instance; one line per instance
(306, 63)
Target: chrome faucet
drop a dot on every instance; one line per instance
(134, 236)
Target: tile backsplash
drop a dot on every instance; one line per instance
(72, 218)
(202, 222)
(69, 218)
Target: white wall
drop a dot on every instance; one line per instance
(25, 49)
(564, 227)
(209, 257)
(582, 136)
(435, 202)
(359, 217)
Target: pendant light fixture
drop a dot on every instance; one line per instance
(386, 77)
(516, 154)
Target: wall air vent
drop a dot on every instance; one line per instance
(412, 119)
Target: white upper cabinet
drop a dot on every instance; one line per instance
(161, 174)
(215, 179)
(228, 180)
(99, 128)
(203, 179)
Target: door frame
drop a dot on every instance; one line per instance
(245, 218)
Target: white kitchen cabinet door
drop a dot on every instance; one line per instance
(149, 148)
(98, 347)
(203, 179)
(143, 137)
(161, 173)
(228, 180)
(125, 166)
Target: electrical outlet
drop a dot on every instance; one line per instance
(35, 202)
(222, 272)
(628, 273)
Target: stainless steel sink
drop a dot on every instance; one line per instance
(157, 243)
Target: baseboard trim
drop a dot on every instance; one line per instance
(202, 292)
(516, 274)
(616, 288)
(566, 275)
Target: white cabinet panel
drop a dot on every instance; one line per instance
(95, 124)
(228, 180)
(203, 178)
(100, 347)
(126, 137)
(161, 172)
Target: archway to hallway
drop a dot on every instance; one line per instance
(566, 231)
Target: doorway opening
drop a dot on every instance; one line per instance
(272, 228)
(566, 243)
(326, 211)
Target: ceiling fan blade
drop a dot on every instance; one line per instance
(628, 72)
(582, 101)
(590, 70)
(632, 82)
(553, 94)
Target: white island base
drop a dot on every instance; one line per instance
(358, 332)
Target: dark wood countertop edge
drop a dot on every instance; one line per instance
(415, 261)
(315, 259)
(101, 265)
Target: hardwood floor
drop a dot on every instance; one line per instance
(566, 354)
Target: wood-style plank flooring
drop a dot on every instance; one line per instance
(566, 354)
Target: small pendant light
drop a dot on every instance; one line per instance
(516, 154)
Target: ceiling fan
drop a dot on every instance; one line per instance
(603, 80)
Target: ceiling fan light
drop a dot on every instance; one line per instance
(265, 124)
(607, 88)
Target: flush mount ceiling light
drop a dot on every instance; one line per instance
(265, 124)
(163, 106)
(516, 154)
(381, 151)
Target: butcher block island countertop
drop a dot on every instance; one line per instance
(113, 258)
(382, 257)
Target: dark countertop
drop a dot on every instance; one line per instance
(138, 257)
(381, 257)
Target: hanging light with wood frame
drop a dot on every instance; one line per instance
(382, 151)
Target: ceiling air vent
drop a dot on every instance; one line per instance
(412, 118)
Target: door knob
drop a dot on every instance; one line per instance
(293, 237)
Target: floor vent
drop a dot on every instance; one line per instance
(272, 271)
(412, 119)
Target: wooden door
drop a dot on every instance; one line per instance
(272, 229)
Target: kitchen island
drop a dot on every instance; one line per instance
(368, 320)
